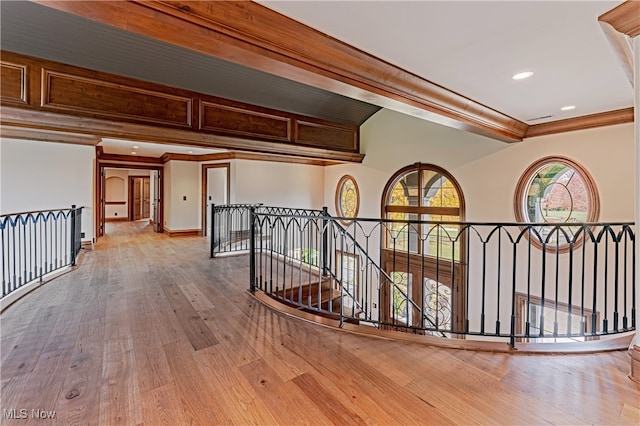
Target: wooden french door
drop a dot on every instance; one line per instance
(139, 197)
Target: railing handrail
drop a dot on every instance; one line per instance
(420, 222)
(596, 283)
(40, 211)
(460, 223)
(36, 243)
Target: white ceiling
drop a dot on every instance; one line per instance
(474, 47)
(145, 149)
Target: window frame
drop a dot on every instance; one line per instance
(448, 272)
(420, 210)
(338, 198)
(522, 187)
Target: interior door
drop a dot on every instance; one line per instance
(146, 198)
(156, 200)
(217, 192)
(137, 198)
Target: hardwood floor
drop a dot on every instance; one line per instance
(149, 330)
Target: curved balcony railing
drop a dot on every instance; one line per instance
(510, 282)
(36, 243)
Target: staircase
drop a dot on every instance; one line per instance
(319, 297)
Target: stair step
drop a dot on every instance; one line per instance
(335, 315)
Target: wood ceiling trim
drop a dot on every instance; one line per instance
(625, 18)
(620, 25)
(610, 118)
(622, 47)
(10, 132)
(129, 158)
(254, 36)
(34, 119)
(220, 156)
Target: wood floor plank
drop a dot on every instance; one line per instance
(200, 403)
(287, 403)
(335, 359)
(149, 331)
(192, 324)
(244, 407)
(80, 401)
(151, 364)
(22, 356)
(325, 400)
(161, 406)
(120, 396)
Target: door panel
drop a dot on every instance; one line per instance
(156, 201)
(137, 198)
(146, 198)
(217, 190)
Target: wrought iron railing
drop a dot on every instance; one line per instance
(230, 224)
(37, 243)
(507, 281)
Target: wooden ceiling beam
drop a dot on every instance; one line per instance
(55, 122)
(591, 121)
(252, 35)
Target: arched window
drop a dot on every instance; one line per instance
(556, 190)
(422, 192)
(423, 259)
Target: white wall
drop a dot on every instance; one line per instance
(113, 179)
(487, 170)
(277, 184)
(44, 175)
(182, 179)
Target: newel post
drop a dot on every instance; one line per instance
(72, 217)
(252, 249)
(213, 229)
(325, 240)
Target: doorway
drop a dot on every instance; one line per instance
(140, 199)
(216, 189)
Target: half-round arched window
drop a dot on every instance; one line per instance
(422, 192)
(556, 190)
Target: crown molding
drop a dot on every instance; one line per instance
(609, 118)
(44, 135)
(620, 25)
(243, 32)
(252, 35)
(625, 18)
(219, 156)
(33, 119)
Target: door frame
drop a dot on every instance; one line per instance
(99, 195)
(205, 168)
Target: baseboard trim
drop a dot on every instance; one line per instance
(116, 219)
(183, 232)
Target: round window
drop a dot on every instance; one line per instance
(556, 190)
(347, 197)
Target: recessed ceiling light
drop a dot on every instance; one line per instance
(568, 107)
(135, 147)
(522, 75)
(133, 152)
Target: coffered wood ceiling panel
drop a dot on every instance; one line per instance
(39, 31)
(448, 62)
